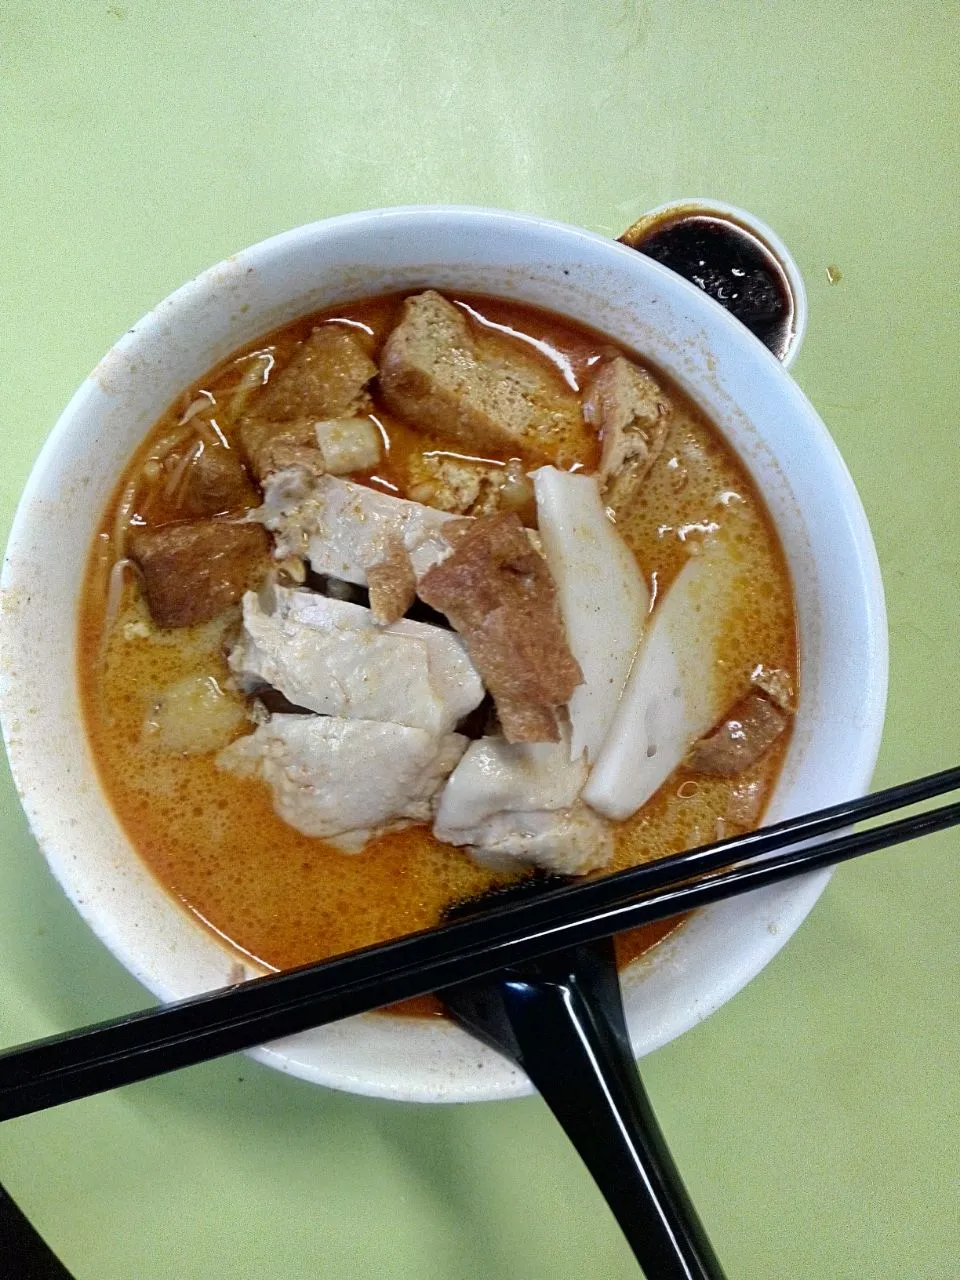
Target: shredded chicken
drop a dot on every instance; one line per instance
(343, 528)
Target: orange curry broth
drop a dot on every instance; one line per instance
(284, 899)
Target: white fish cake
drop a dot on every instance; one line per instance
(673, 695)
(603, 598)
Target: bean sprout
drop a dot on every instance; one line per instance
(261, 363)
(121, 522)
(204, 400)
(115, 585)
(175, 479)
(167, 443)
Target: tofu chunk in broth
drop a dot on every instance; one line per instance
(192, 572)
(475, 389)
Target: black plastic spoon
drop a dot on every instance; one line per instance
(87, 1060)
(560, 1018)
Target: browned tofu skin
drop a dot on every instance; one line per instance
(191, 572)
(278, 455)
(326, 377)
(215, 481)
(392, 584)
(631, 411)
(750, 729)
(499, 595)
(267, 445)
(777, 684)
(488, 396)
(527, 721)
(744, 806)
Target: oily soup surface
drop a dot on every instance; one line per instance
(213, 839)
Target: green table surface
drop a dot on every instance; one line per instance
(817, 1116)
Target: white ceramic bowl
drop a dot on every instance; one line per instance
(592, 280)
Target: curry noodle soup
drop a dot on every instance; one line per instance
(296, 741)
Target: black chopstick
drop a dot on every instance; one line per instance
(79, 1063)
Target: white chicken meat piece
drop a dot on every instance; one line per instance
(345, 780)
(342, 528)
(567, 842)
(518, 804)
(329, 656)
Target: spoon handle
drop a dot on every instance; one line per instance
(561, 1019)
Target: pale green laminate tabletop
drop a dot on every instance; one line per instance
(817, 1116)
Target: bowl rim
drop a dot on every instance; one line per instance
(871, 603)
